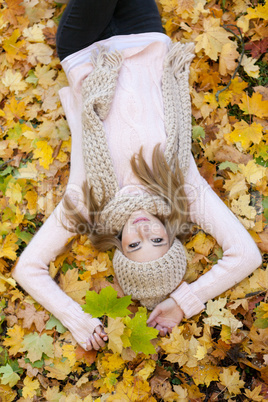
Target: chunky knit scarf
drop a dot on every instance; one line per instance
(97, 92)
(148, 282)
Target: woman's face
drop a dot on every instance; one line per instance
(144, 237)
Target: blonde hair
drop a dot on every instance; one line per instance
(159, 180)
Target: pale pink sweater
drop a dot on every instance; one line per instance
(136, 118)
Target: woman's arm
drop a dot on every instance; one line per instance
(240, 253)
(240, 256)
(32, 273)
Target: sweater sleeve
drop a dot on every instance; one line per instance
(32, 271)
(240, 253)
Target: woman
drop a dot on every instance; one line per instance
(128, 109)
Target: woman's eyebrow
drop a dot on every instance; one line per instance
(159, 245)
(132, 251)
(154, 245)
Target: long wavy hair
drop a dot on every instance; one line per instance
(160, 180)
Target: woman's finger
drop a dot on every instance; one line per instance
(99, 340)
(100, 331)
(162, 330)
(88, 345)
(153, 315)
(151, 323)
(94, 343)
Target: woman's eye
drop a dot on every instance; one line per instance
(157, 240)
(133, 245)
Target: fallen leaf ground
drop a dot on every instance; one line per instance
(221, 354)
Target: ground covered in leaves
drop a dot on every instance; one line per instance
(221, 354)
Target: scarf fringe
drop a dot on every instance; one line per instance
(101, 57)
(179, 57)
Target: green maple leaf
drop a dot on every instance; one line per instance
(261, 315)
(106, 303)
(141, 335)
(54, 322)
(36, 345)
(9, 376)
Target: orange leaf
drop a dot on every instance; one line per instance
(88, 357)
(14, 8)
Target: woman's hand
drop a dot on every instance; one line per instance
(97, 339)
(165, 316)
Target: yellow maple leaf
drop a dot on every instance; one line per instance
(110, 381)
(240, 6)
(147, 370)
(179, 349)
(69, 352)
(13, 192)
(39, 53)
(16, 335)
(53, 394)
(226, 333)
(203, 373)
(58, 369)
(213, 38)
(230, 378)
(8, 247)
(5, 280)
(235, 185)
(30, 387)
(115, 330)
(249, 66)
(201, 104)
(13, 48)
(228, 58)
(34, 33)
(110, 362)
(218, 315)
(168, 5)
(258, 280)
(181, 392)
(261, 11)
(96, 267)
(241, 207)
(243, 23)
(254, 395)
(184, 7)
(128, 377)
(254, 105)
(31, 196)
(44, 153)
(140, 391)
(62, 156)
(28, 171)
(7, 394)
(252, 172)
(14, 110)
(74, 288)
(201, 352)
(45, 75)
(201, 243)
(14, 81)
(245, 133)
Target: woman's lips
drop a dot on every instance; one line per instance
(141, 220)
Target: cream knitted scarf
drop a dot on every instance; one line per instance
(97, 91)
